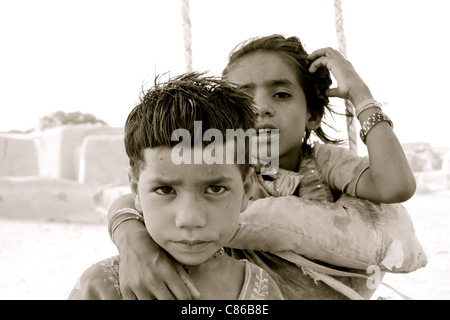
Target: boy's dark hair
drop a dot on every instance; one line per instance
(314, 85)
(176, 104)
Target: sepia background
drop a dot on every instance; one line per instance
(63, 63)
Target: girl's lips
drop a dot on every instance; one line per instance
(265, 127)
(262, 126)
(269, 135)
(267, 131)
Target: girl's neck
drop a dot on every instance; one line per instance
(291, 160)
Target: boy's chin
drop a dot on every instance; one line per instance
(193, 259)
(192, 262)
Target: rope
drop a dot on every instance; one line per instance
(339, 23)
(186, 34)
(322, 273)
(333, 283)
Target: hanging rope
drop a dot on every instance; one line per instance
(186, 34)
(339, 23)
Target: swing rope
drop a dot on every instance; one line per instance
(339, 24)
(186, 34)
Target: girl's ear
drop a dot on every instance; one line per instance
(313, 122)
(250, 182)
(133, 181)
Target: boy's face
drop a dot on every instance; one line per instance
(190, 210)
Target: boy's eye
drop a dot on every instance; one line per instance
(216, 189)
(164, 190)
(282, 95)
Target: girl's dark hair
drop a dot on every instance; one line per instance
(176, 104)
(314, 85)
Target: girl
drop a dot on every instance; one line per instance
(290, 89)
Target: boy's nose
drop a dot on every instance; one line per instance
(190, 213)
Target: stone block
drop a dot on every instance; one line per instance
(59, 148)
(103, 161)
(18, 155)
(38, 198)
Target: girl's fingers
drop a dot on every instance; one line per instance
(127, 294)
(163, 293)
(323, 58)
(180, 289)
(141, 295)
(187, 281)
(320, 62)
(333, 92)
(322, 52)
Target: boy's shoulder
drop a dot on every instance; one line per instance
(258, 284)
(99, 282)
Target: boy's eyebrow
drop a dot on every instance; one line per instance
(173, 182)
(217, 180)
(163, 181)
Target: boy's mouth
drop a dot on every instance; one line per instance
(192, 245)
(192, 242)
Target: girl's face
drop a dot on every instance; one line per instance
(190, 210)
(280, 100)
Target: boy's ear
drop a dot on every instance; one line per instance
(313, 122)
(250, 182)
(133, 181)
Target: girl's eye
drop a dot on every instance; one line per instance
(282, 95)
(164, 190)
(216, 189)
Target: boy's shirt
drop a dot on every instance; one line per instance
(297, 285)
(101, 282)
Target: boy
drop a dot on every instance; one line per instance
(192, 191)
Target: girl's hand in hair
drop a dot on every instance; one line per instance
(349, 84)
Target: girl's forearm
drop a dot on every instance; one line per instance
(127, 227)
(389, 178)
(125, 201)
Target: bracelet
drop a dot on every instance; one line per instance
(366, 104)
(118, 224)
(119, 213)
(371, 122)
(125, 214)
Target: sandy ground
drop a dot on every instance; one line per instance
(42, 260)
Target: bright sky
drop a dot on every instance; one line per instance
(94, 55)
